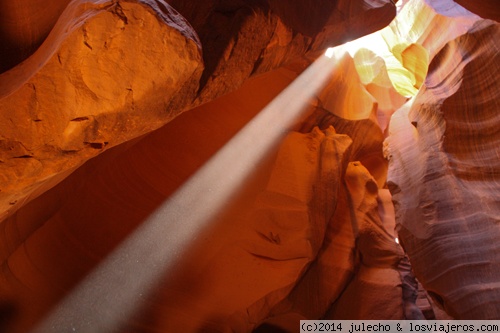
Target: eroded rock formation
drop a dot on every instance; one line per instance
(84, 89)
(310, 233)
(244, 240)
(449, 135)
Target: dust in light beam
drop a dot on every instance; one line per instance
(111, 293)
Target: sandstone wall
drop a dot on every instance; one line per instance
(310, 234)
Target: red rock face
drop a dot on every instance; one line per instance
(295, 218)
(68, 101)
(148, 93)
(486, 9)
(84, 89)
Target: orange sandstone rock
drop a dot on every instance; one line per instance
(83, 88)
(86, 89)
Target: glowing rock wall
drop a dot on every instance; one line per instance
(310, 234)
(85, 89)
(288, 222)
(110, 71)
(444, 150)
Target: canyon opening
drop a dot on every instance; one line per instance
(239, 166)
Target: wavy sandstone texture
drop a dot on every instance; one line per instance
(24, 26)
(310, 233)
(444, 150)
(282, 221)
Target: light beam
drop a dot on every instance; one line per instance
(110, 294)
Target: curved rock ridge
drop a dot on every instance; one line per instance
(392, 63)
(285, 248)
(59, 237)
(310, 234)
(346, 96)
(110, 71)
(242, 38)
(86, 89)
(357, 261)
(418, 22)
(444, 175)
(24, 25)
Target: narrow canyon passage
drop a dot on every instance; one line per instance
(294, 211)
(193, 184)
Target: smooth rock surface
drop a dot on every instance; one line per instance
(444, 171)
(310, 233)
(98, 73)
(58, 238)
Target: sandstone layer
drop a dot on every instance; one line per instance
(147, 93)
(85, 90)
(82, 88)
(443, 149)
(287, 223)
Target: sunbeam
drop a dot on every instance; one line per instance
(109, 295)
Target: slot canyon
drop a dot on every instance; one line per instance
(239, 166)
